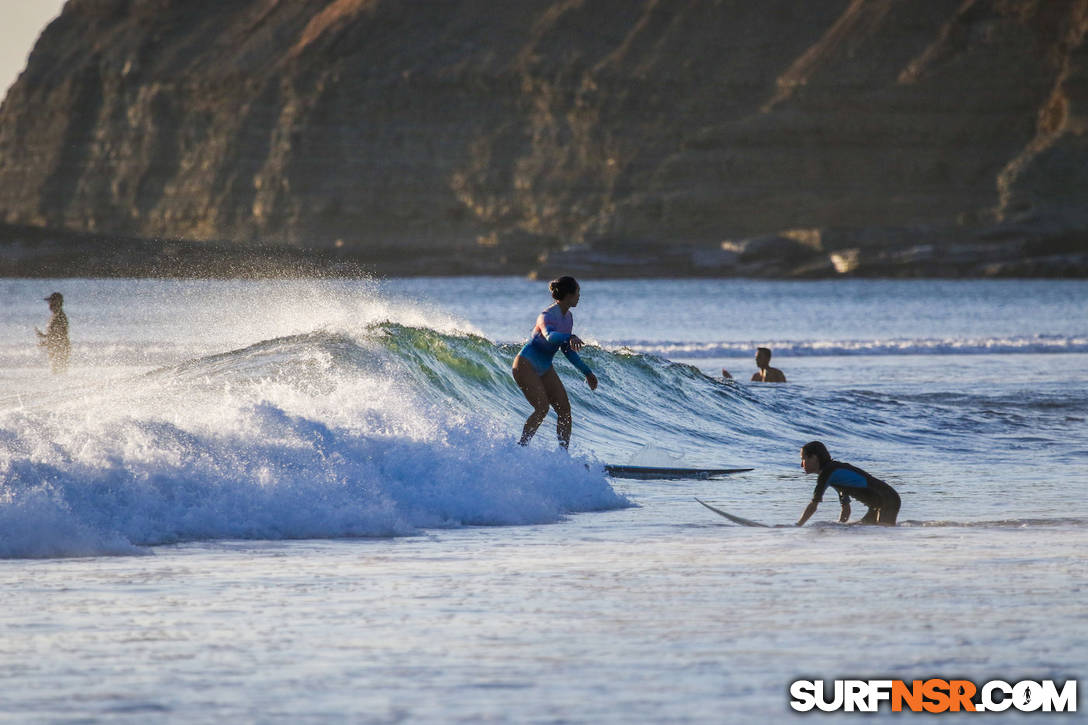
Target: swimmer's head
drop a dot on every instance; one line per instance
(814, 456)
(763, 356)
(563, 287)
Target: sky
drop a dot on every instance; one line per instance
(21, 22)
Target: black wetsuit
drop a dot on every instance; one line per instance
(850, 482)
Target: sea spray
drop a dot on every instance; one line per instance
(379, 433)
(136, 483)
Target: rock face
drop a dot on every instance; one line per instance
(519, 130)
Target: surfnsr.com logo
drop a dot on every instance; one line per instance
(933, 695)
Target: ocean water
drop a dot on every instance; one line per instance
(302, 501)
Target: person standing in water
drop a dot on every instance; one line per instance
(533, 370)
(55, 337)
(766, 373)
(850, 482)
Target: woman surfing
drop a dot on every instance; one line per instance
(533, 370)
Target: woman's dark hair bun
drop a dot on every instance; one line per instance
(562, 287)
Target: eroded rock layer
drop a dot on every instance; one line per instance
(520, 129)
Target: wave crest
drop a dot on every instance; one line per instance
(899, 346)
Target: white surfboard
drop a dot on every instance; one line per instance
(731, 517)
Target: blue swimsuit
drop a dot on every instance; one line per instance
(551, 334)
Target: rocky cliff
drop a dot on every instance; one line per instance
(796, 136)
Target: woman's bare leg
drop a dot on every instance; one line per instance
(532, 387)
(557, 396)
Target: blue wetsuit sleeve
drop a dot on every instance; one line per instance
(576, 360)
(550, 322)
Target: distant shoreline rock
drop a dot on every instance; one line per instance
(497, 137)
(998, 252)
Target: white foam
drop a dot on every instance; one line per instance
(317, 436)
(107, 489)
(830, 348)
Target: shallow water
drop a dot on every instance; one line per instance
(302, 501)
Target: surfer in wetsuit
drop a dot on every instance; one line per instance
(533, 370)
(850, 482)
